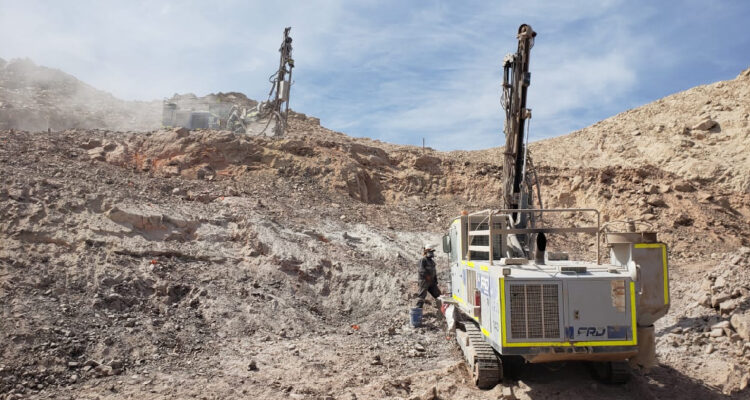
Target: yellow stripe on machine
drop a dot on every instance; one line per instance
(485, 332)
(484, 268)
(663, 248)
(632, 312)
(502, 311)
(505, 342)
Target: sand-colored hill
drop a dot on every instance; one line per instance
(177, 263)
(701, 134)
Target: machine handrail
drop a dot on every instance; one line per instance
(508, 229)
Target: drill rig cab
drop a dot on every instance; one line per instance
(516, 301)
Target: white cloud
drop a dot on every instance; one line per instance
(455, 102)
(145, 50)
(386, 69)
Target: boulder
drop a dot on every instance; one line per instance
(683, 186)
(656, 201)
(103, 370)
(729, 305)
(705, 300)
(716, 333)
(736, 380)
(704, 125)
(720, 325)
(719, 298)
(741, 323)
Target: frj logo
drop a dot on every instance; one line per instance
(591, 331)
(484, 284)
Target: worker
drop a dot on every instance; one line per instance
(427, 275)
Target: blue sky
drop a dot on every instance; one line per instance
(393, 70)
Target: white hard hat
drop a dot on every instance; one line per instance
(429, 246)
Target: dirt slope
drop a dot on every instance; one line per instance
(701, 134)
(176, 264)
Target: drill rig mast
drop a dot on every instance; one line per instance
(517, 187)
(281, 81)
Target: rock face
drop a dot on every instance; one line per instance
(699, 134)
(378, 173)
(204, 263)
(715, 315)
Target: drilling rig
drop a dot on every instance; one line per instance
(516, 303)
(269, 117)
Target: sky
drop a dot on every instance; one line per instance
(397, 71)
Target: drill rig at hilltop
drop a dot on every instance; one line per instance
(515, 302)
(234, 111)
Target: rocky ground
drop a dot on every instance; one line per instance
(204, 264)
(713, 320)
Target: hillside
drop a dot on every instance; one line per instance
(36, 98)
(175, 263)
(701, 135)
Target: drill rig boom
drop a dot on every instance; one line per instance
(516, 80)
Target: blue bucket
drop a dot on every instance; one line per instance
(416, 316)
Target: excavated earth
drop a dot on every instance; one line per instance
(205, 264)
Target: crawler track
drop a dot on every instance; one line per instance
(613, 372)
(486, 368)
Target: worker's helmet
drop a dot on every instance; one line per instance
(428, 247)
